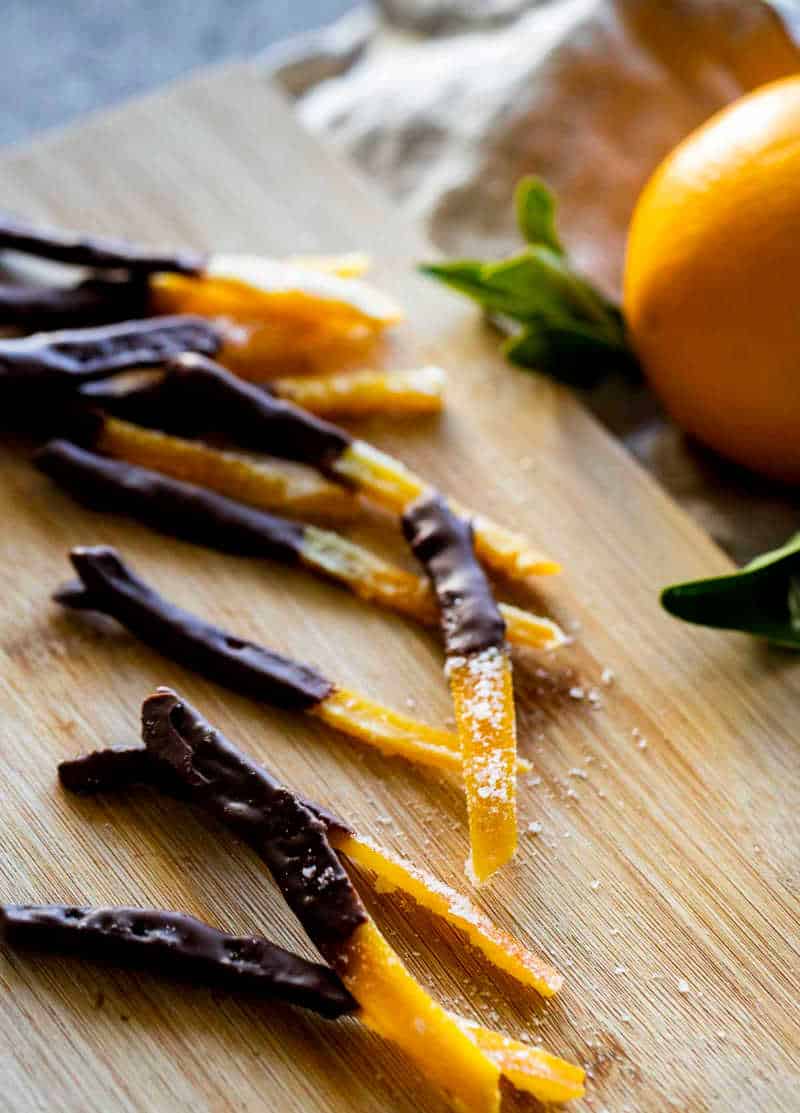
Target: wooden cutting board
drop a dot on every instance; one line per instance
(665, 879)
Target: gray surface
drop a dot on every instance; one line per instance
(61, 58)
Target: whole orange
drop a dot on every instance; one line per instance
(712, 281)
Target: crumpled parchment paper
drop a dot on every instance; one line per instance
(446, 104)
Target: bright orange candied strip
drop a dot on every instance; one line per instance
(362, 393)
(259, 352)
(393, 1004)
(529, 1069)
(251, 289)
(505, 551)
(483, 699)
(283, 311)
(389, 731)
(392, 733)
(391, 485)
(498, 946)
(462, 1059)
(367, 575)
(268, 485)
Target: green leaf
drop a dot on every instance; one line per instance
(536, 214)
(569, 330)
(573, 354)
(464, 275)
(532, 284)
(467, 277)
(762, 599)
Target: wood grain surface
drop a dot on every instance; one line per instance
(664, 882)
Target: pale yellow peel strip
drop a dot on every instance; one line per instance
(483, 700)
(376, 580)
(391, 485)
(363, 393)
(502, 950)
(265, 484)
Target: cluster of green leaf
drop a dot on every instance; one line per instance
(562, 325)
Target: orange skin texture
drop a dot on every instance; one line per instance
(712, 281)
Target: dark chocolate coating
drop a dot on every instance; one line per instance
(75, 356)
(181, 946)
(155, 403)
(111, 588)
(198, 396)
(115, 769)
(290, 839)
(97, 301)
(159, 400)
(98, 252)
(442, 542)
(179, 509)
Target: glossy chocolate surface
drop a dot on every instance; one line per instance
(179, 509)
(199, 396)
(118, 768)
(443, 544)
(121, 767)
(98, 252)
(108, 586)
(115, 769)
(74, 356)
(276, 823)
(97, 301)
(178, 945)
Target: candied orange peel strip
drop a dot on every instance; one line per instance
(251, 288)
(463, 1060)
(269, 485)
(282, 310)
(392, 733)
(527, 1068)
(376, 580)
(483, 699)
(390, 484)
(368, 576)
(363, 393)
(531, 630)
(259, 351)
(393, 1004)
(389, 731)
(501, 949)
